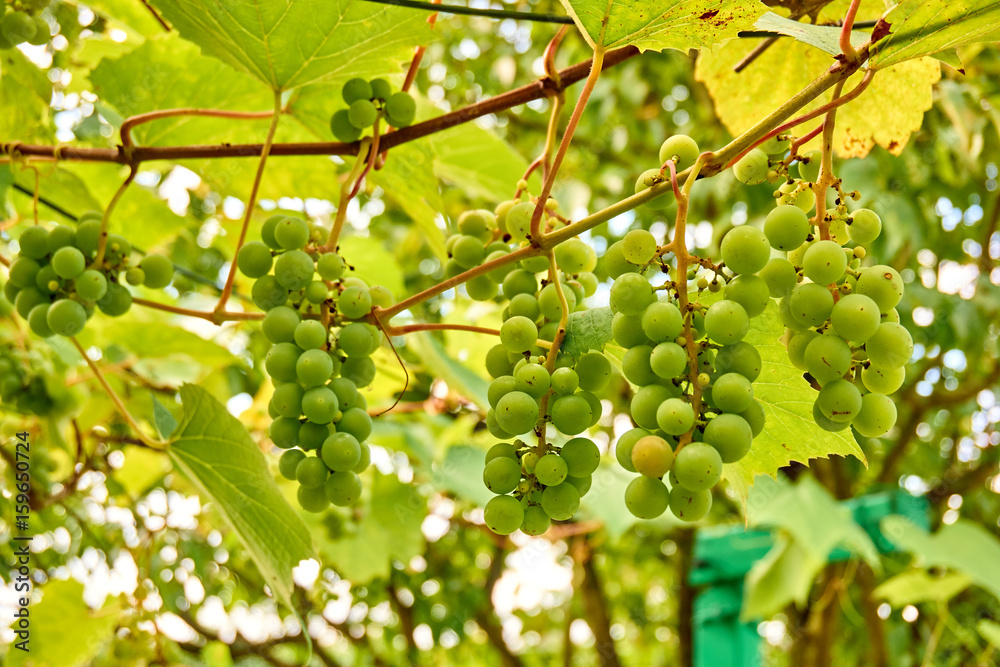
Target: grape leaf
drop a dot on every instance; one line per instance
(782, 576)
(662, 24)
(166, 423)
(25, 93)
(65, 632)
(917, 586)
(289, 44)
(921, 28)
(218, 456)
(790, 433)
(477, 161)
(824, 38)
(904, 92)
(60, 187)
(587, 330)
(455, 375)
(461, 473)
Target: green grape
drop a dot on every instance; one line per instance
(311, 472)
(824, 262)
(518, 334)
(575, 256)
(312, 500)
(661, 321)
(625, 445)
(359, 370)
(503, 515)
(313, 368)
(27, 299)
(316, 292)
(361, 114)
(751, 292)
(635, 366)
(356, 422)
(892, 315)
(47, 281)
(312, 436)
(346, 391)
(582, 457)
(731, 436)
(571, 414)
(159, 270)
(117, 300)
(698, 466)
(652, 456)
(38, 321)
(91, 285)
(589, 282)
(797, 194)
(34, 243)
(518, 220)
(355, 339)
(549, 303)
(631, 293)
(66, 317)
(565, 381)
(481, 288)
(528, 462)
(752, 168)
(742, 358)
(596, 408)
(474, 223)
(551, 470)
(876, 417)
(135, 276)
(400, 109)
(502, 449)
(497, 362)
(683, 148)
(88, 236)
(689, 505)
(855, 317)
(279, 324)
(357, 89)
(645, 404)
(310, 334)
(68, 262)
(745, 249)
(825, 422)
(536, 521)
(267, 293)
(291, 233)
(533, 380)
(639, 246)
(381, 296)
(627, 331)
(381, 90)
(319, 405)
(811, 304)
(732, 393)
(366, 459)
(284, 432)
(776, 145)
(786, 227)
(330, 266)
(254, 259)
(117, 248)
(754, 416)
(891, 346)
(582, 484)
(827, 358)
(293, 269)
(343, 488)
(341, 452)
(517, 412)
(839, 401)
(726, 322)
(668, 360)
(675, 416)
(267, 231)
(864, 226)
(281, 360)
(343, 130)
(519, 281)
(615, 262)
(594, 371)
(23, 271)
(809, 165)
(468, 251)
(60, 236)
(561, 501)
(355, 302)
(882, 284)
(646, 497)
(883, 379)
(289, 461)
(648, 179)
(287, 400)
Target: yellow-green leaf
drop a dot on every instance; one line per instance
(920, 28)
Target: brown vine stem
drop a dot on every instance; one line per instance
(574, 120)
(826, 177)
(227, 289)
(418, 55)
(227, 316)
(512, 98)
(149, 442)
(102, 243)
(372, 154)
(345, 198)
(139, 119)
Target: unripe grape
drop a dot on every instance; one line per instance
(582, 457)
(626, 444)
(310, 334)
(355, 302)
(518, 334)
(289, 461)
(311, 472)
(864, 226)
(117, 300)
(639, 246)
(726, 322)
(745, 249)
(254, 259)
(882, 284)
(741, 358)
(698, 466)
(319, 405)
(683, 148)
(312, 499)
(342, 128)
(34, 242)
(575, 256)
(571, 414)
(66, 317)
(503, 515)
(287, 400)
(501, 475)
(517, 412)
(627, 331)
(826, 423)
(359, 370)
(68, 262)
(786, 227)
(652, 456)
(883, 379)
(551, 470)
(827, 358)
(824, 262)
(646, 402)
(646, 497)
(38, 321)
(730, 435)
(91, 285)
(356, 422)
(876, 417)
(400, 109)
(752, 168)
(839, 401)
(159, 270)
(749, 291)
(662, 321)
(674, 416)
(732, 393)
(536, 521)
(668, 361)
(361, 113)
(565, 380)
(631, 293)
(811, 304)
(135, 276)
(291, 233)
(314, 368)
(519, 220)
(561, 501)
(357, 89)
(284, 432)
(649, 178)
(689, 505)
(891, 345)
(855, 317)
(343, 488)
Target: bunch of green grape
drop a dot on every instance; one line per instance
(320, 357)
(29, 382)
(56, 285)
(366, 101)
(24, 25)
(720, 426)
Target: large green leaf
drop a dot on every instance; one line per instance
(477, 161)
(963, 546)
(170, 73)
(784, 575)
(662, 24)
(921, 28)
(295, 42)
(65, 632)
(25, 93)
(216, 453)
(159, 340)
(58, 186)
(790, 433)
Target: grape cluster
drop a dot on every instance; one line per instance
(19, 27)
(318, 415)
(683, 151)
(55, 284)
(367, 101)
(712, 409)
(28, 383)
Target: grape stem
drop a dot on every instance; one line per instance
(550, 358)
(346, 196)
(102, 242)
(443, 326)
(149, 442)
(826, 177)
(227, 289)
(845, 32)
(139, 119)
(211, 316)
(372, 154)
(574, 120)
